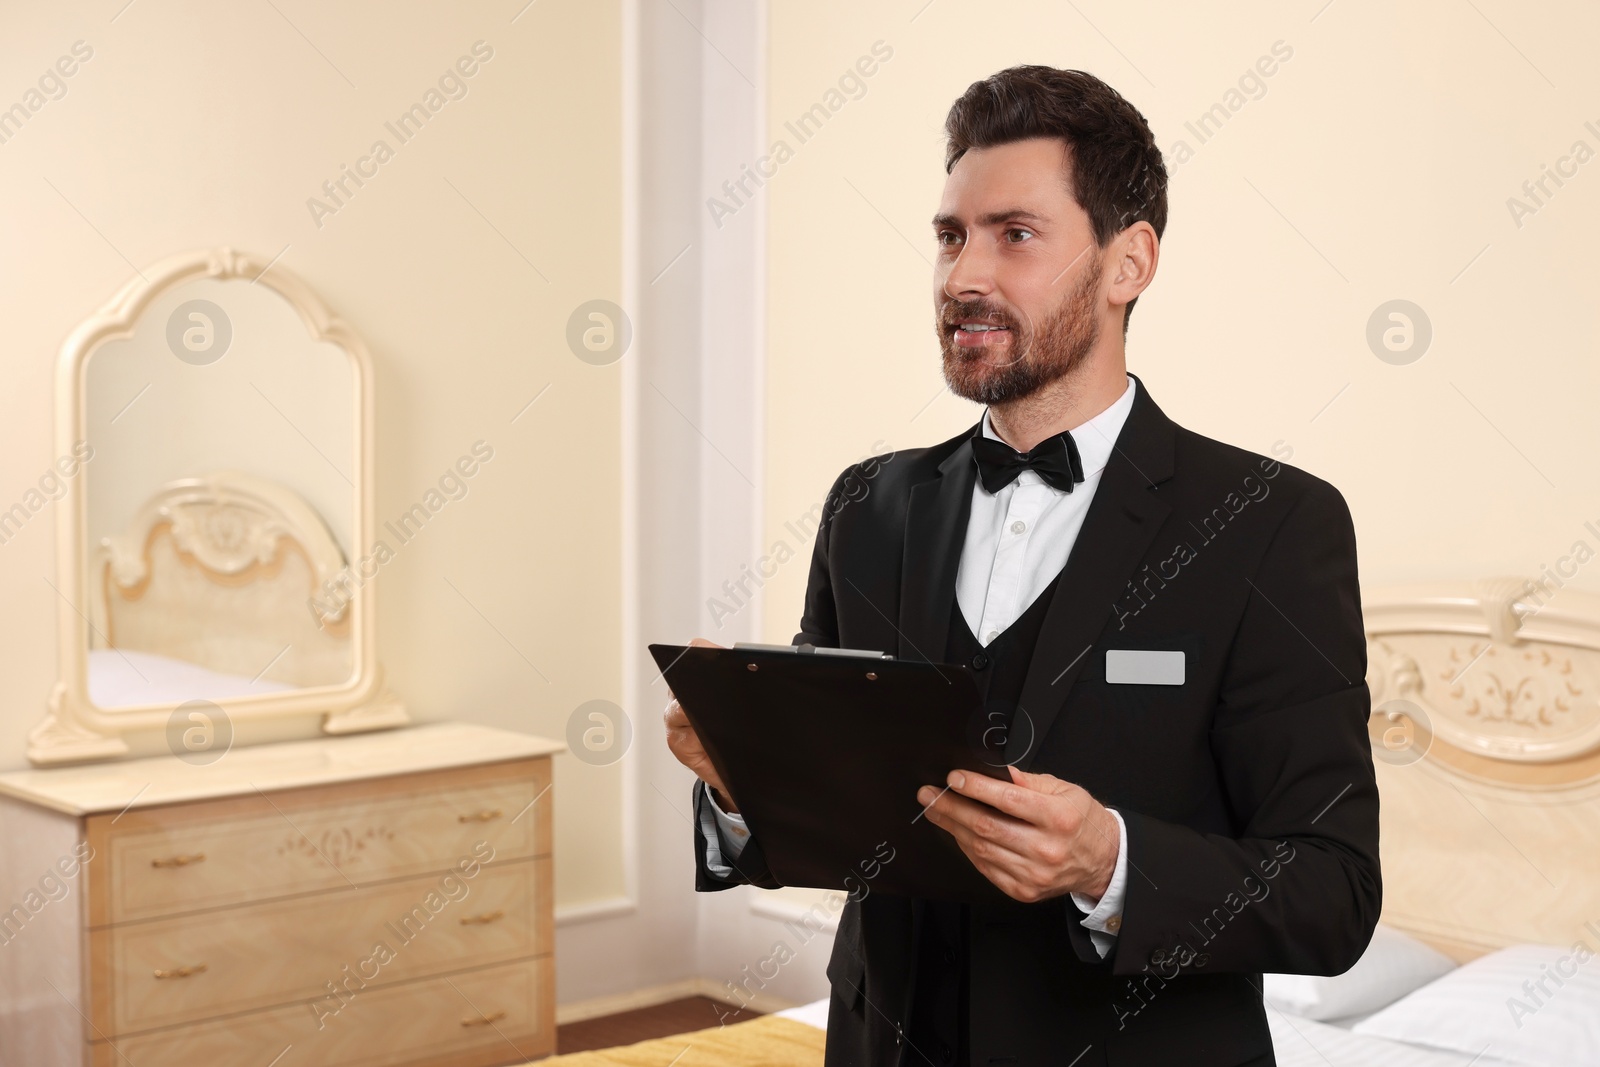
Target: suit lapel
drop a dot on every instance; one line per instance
(1122, 520)
(936, 530)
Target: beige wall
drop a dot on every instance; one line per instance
(1375, 163)
(196, 124)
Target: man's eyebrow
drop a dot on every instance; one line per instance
(993, 218)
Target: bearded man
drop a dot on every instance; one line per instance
(1168, 628)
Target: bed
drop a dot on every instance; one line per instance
(205, 594)
(795, 1037)
(1486, 737)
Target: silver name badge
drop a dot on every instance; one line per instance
(1138, 666)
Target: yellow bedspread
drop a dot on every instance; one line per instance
(769, 1041)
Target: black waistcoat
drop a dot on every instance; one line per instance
(938, 1027)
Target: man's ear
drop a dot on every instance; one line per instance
(1136, 253)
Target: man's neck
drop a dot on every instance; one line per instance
(1064, 404)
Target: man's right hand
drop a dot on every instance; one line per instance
(685, 744)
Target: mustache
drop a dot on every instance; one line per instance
(959, 311)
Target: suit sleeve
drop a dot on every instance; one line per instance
(750, 868)
(1297, 889)
(819, 622)
(819, 625)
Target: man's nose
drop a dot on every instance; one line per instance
(969, 276)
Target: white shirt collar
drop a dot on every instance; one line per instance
(1094, 438)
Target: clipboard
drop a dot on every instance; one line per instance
(824, 749)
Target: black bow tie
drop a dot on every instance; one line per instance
(1055, 459)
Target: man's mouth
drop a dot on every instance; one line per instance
(974, 334)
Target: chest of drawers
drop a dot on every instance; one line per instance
(382, 900)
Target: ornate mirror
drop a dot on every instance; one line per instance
(217, 423)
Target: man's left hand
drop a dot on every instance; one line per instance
(1035, 837)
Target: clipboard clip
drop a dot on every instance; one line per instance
(808, 650)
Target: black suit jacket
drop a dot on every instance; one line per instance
(1247, 791)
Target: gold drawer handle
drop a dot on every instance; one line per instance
(484, 1020)
(179, 861)
(483, 920)
(480, 816)
(181, 972)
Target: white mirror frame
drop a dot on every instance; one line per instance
(74, 729)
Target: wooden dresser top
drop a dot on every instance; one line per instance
(144, 783)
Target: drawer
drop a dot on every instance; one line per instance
(316, 949)
(188, 857)
(495, 1016)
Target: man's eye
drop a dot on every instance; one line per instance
(945, 237)
(1010, 232)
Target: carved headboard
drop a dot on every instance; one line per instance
(220, 571)
(1486, 736)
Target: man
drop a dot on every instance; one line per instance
(1169, 627)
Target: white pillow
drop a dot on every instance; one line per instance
(1495, 1006)
(1393, 965)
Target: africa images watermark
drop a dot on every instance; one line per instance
(329, 605)
(1554, 577)
(451, 889)
(736, 592)
(50, 86)
(1251, 86)
(53, 887)
(52, 486)
(1565, 968)
(1143, 587)
(852, 85)
(813, 921)
(1566, 167)
(1169, 962)
(452, 85)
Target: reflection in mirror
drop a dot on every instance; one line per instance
(222, 498)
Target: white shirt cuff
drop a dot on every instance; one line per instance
(734, 832)
(1103, 917)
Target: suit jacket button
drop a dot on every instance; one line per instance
(980, 661)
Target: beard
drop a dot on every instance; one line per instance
(1036, 358)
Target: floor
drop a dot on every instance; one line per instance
(660, 1020)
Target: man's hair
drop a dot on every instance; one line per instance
(1115, 170)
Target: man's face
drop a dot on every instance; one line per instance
(1017, 254)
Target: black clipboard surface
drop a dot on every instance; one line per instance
(825, 754)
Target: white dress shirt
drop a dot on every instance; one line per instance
(1017, 541)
